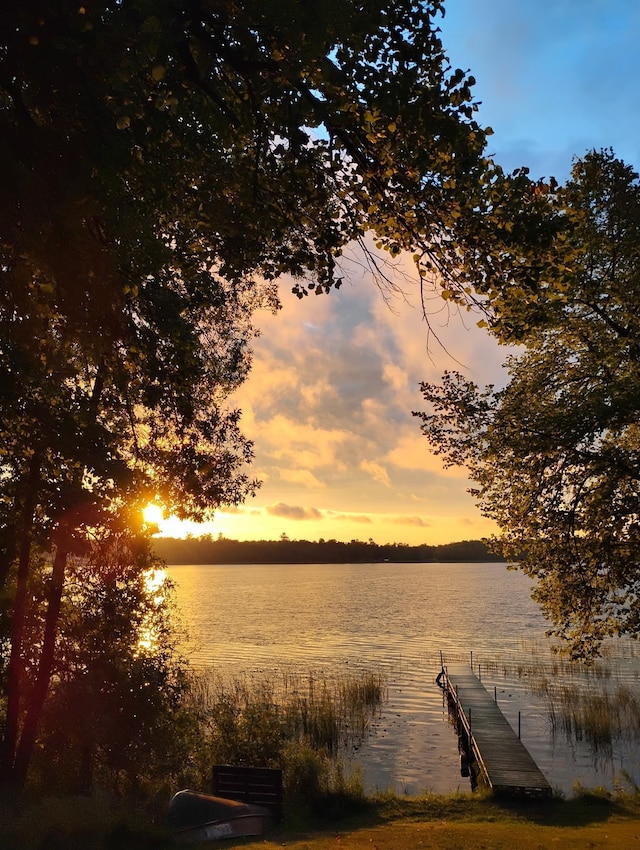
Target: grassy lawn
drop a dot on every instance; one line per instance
(443, 835)
(429, 822)
(473, 822)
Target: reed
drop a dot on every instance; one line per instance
(304, 723)
(333, 713)
(601, 717)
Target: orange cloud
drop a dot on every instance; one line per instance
(301, 476)
(412, 451)
(364, 520)
(411, 520)
(328, 404)
(377, 472)
(302, 445)
(293, 512)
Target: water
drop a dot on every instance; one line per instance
(399, 618)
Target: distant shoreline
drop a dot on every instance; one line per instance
(209, 550)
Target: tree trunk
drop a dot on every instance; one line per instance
(15, 674)
(8, 551)
(18, 744)
(45, 667)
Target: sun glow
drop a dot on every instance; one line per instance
(153, 514)
(170, 526)
(154, 581)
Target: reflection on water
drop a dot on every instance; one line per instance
(149, 634)
(398, 618)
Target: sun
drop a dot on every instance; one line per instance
(152, 514)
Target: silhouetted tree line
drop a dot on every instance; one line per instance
(221, 550)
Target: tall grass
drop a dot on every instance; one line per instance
(303, 723)
(584, 702)
(601, 717)
(332, 714)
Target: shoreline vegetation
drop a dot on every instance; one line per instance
(475, 821)
(222, 550)
(307, 724)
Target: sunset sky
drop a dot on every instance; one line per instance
(335, 378)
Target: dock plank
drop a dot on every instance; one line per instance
(504, 761)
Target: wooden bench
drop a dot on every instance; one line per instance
(261, 786)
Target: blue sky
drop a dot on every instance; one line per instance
(555, 77)
(335, 378)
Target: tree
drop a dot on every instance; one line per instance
(164, 163)
(114, 716)
(556, 453)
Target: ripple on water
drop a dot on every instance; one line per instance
(398, 618)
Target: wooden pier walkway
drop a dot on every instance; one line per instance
(503, 760)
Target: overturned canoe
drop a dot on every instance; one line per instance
(193, 816)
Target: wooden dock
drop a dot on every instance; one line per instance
(503, 761)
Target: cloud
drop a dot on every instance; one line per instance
(412, 452)
(303, 445)
(237, 511)
(301, 476)
(411, 520)
(395, 376)
(329, 401)
(361, 518)
(293, 512)
(328, 404)
(377, 472)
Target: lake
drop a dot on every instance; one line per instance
(398, 618)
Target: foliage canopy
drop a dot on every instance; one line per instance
(556, 453)
(165, 162)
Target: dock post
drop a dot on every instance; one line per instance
(471, 659)
(518, 725)
(495, 694)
